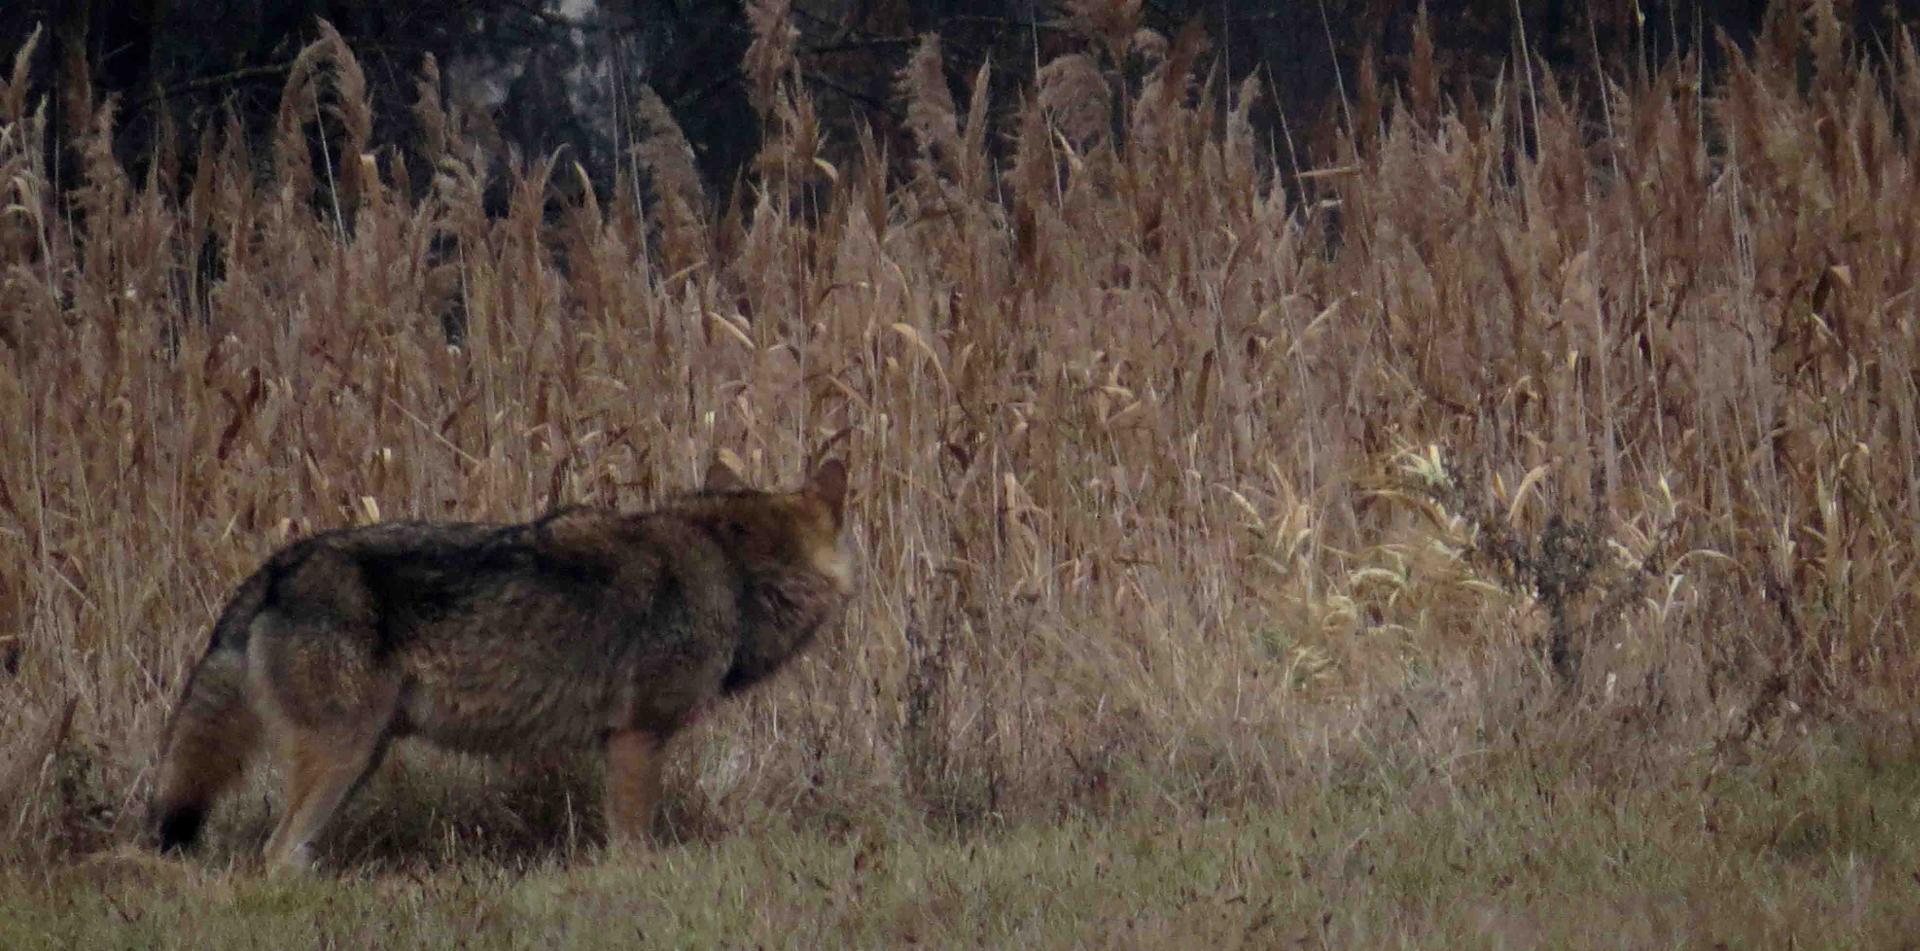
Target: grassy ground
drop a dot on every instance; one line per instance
(1814, 844)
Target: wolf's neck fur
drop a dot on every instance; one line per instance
(780, 613)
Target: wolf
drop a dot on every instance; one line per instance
(587, 628)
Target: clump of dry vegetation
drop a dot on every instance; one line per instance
(1537, 433)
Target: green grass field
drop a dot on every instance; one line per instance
(1813, 842)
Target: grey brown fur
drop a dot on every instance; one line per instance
(588, 628)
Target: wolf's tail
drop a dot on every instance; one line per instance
(213, 731)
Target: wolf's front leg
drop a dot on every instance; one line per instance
(633, 785)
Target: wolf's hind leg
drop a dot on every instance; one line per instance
(633, 784)
(324, 767)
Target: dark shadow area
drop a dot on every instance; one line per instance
(561, 77)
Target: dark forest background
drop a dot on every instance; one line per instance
(544, 75)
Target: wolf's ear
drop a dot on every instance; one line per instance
(829, 484)
(722, 477)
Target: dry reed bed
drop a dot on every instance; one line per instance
(1167, 473)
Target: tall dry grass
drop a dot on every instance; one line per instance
(1179, 481)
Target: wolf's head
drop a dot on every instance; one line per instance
(791, 553)
(791, 544)
(779, 533)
